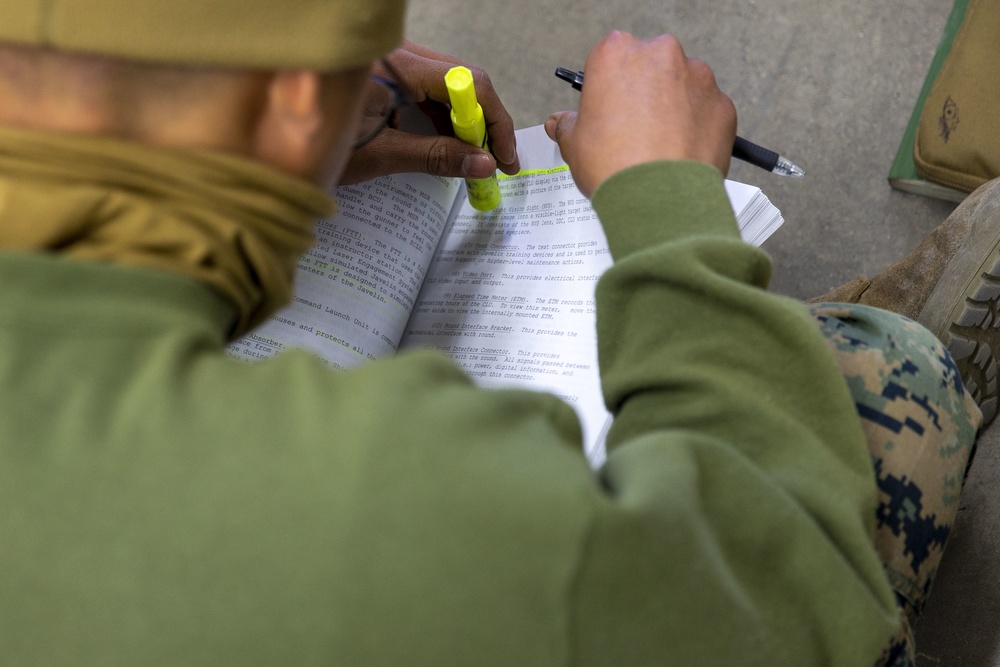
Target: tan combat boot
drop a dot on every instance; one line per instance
(951, 285)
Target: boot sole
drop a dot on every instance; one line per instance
(972, 337)
(968, 295)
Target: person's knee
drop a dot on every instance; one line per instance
(897, 368)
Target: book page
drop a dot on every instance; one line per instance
(511, 297)
(510, 294)
(355, 288)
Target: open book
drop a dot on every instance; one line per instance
(509, 293)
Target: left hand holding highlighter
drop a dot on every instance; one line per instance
(394, 150)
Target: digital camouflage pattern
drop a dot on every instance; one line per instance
(921, 426)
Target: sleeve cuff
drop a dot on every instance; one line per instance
(658, 202)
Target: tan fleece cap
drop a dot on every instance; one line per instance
(324, 35)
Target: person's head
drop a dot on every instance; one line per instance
(280, 82)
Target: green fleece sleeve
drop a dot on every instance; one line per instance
(739, 501)
(167, 504)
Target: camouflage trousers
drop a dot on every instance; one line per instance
(921, 426)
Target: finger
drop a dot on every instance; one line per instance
(422, 76)
(395, 152)
(499, 124)
(671, 46)
(429, 53)
(559, 126)
(500, 128)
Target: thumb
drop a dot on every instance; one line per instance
(435, 155)
(559, 126)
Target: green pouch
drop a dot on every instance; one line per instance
(958, 138)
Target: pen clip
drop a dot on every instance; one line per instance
(575, 78)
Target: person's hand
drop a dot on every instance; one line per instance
(643, 101)
(393, 150)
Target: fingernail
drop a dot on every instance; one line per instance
(478, 165)
(509, 156)
(551, 123)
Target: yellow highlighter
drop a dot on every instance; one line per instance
(470, 127)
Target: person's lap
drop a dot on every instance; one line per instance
(921, 426)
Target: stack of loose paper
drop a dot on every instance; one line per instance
(758, 217)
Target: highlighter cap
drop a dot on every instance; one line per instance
(465, 108)
(321, 35)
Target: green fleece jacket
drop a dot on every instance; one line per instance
(165, 504)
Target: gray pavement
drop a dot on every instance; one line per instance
(830, 84)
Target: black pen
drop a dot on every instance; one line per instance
(744, 150)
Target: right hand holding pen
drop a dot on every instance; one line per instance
(644, 101)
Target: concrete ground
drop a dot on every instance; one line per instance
(830, 84)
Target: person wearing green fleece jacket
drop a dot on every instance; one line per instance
(167, 504)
